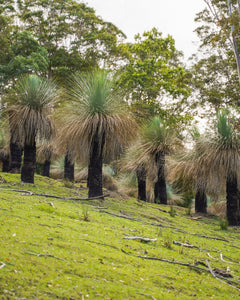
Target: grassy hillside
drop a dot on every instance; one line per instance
(55, 248)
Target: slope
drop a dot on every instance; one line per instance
(53, 248)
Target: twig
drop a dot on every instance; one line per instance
(160, 209)
(54, 196)
(221, 256)
(233, 260)
(211, 256)
(2, 265)
(147, 295)
(140, 238)
(98, 243)
(45, 255)
(217, 277)
(234, 246)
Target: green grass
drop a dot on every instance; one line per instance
(61, 249)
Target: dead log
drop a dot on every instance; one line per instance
(146, 240)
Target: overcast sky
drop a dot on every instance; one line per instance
(174, 17)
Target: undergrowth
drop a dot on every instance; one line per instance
(55, 248)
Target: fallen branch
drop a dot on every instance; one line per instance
(45, 255)
(54, 196)
(163, 226)
(2, 265)
(177, 214)
(185, 245)
(140, 238)
(226, 281)
(119, 216)
(91, 198)
(234, 246)
(167, 261)
(201, 235)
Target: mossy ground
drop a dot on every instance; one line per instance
(53, 248)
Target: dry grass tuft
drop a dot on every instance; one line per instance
(218, 208)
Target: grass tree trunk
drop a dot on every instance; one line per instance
(201, 201)
(68, 168)
(233, 201)
(15, 157)
(160, 188)
(141, 178)
(5, 164)
(95, 168)
(46, 168)
(29, 163)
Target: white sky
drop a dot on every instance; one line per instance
(174, 17)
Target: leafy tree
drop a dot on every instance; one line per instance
(32, 100)
(216, 77)
(25, 56)
(97, 123)
(74, 37)
(215, 82)
(152, 73)
(4, 148)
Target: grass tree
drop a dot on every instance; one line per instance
(4, 147)
(45, 153)
(186, 176)
(98, 123)
(187, 173)
(69, 166)
(157, 140)
(132, 162)
(220, 161)
(63, 144)
(216, 163)
(32, 100)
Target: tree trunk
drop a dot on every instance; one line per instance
(201, 201)
(68, 168)
(29, 163)
(95, 167)
(15, 157)
(141, 178)
(46, 168)
(5, 164)
(160, 188)
(233, 202)
(234, 41)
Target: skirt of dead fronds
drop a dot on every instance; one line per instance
(56, 174)
(108, 181)
(218, 208)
